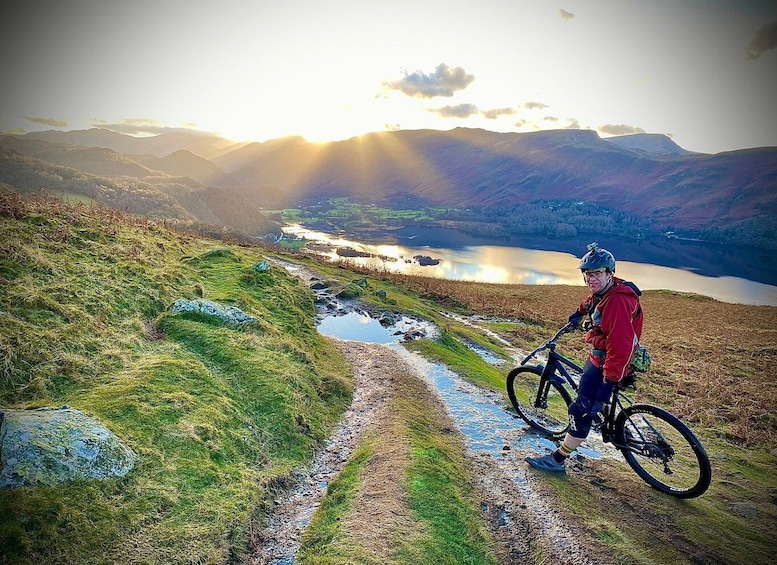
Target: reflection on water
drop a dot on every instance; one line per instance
(356, 327)
(516, 265)
(479, 414)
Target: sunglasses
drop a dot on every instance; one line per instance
(594, 272)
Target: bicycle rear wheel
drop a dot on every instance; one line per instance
(663, 451)
(549, 414)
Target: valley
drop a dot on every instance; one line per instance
(558, 183)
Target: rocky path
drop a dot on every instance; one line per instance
(522, 518)
(513, 498)
(292, 512)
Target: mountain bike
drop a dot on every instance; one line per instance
(660, 448)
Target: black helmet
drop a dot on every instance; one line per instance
(596, 258)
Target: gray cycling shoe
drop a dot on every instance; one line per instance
(546, 463)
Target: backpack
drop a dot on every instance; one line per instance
(641, 359)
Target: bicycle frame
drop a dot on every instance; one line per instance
(559, 369)
(557, 365)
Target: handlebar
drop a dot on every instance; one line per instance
(551, 343)
(565, 329)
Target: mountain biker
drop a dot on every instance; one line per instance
(616, 327)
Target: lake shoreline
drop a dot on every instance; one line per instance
(724, 273)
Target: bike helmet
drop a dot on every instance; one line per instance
(596, 258)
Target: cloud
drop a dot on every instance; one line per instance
(444, 81)
(53, 122)
(458, 111)
(496, 112)
(535, 106)
(550, 118)
(763, 40)
(573, 124)
(620, 129)
(565, 15)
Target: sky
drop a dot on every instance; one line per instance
(703, 72)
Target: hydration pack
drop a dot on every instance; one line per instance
(641, 360)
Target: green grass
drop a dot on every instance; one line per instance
(346, 214)
(442, 500)
(324, 540)
(220, 415)
(216, 413)
(454, 354)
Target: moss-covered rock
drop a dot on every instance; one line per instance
(54, 445)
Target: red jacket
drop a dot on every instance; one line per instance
(616, 317)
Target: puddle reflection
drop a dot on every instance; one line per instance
(356, 327)
(481, 415)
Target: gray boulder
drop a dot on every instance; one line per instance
(229, 314)
(387, 319)
(54, 445)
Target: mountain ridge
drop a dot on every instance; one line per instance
(726, 195)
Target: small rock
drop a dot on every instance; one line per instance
(387, 319)
(229, 314)
(745, 509)
(380, 294)
(262, 267)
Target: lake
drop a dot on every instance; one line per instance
(726, 273)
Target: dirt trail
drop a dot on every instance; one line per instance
(522, 519)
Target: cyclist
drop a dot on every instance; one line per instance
(616, 327)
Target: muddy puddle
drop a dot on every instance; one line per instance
(481, 415)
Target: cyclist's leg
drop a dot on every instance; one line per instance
(579, 416)
(579, 422)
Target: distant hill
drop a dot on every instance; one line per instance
(156, 194)
(27, 175)
(654, 143)
(571, 179)
(184, 163)
(239, 157)
(93, 160)
(465, 168)
(203, 145)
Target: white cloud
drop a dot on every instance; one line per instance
(565, 15)
(496, 112)
(444, 81)
(52, 122)
(458, 111)
(620, 129)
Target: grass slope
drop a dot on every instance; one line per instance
(218, 414)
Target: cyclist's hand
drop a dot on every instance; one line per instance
(575, 318)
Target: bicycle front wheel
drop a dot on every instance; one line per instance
(547, 412)
(663, 451)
